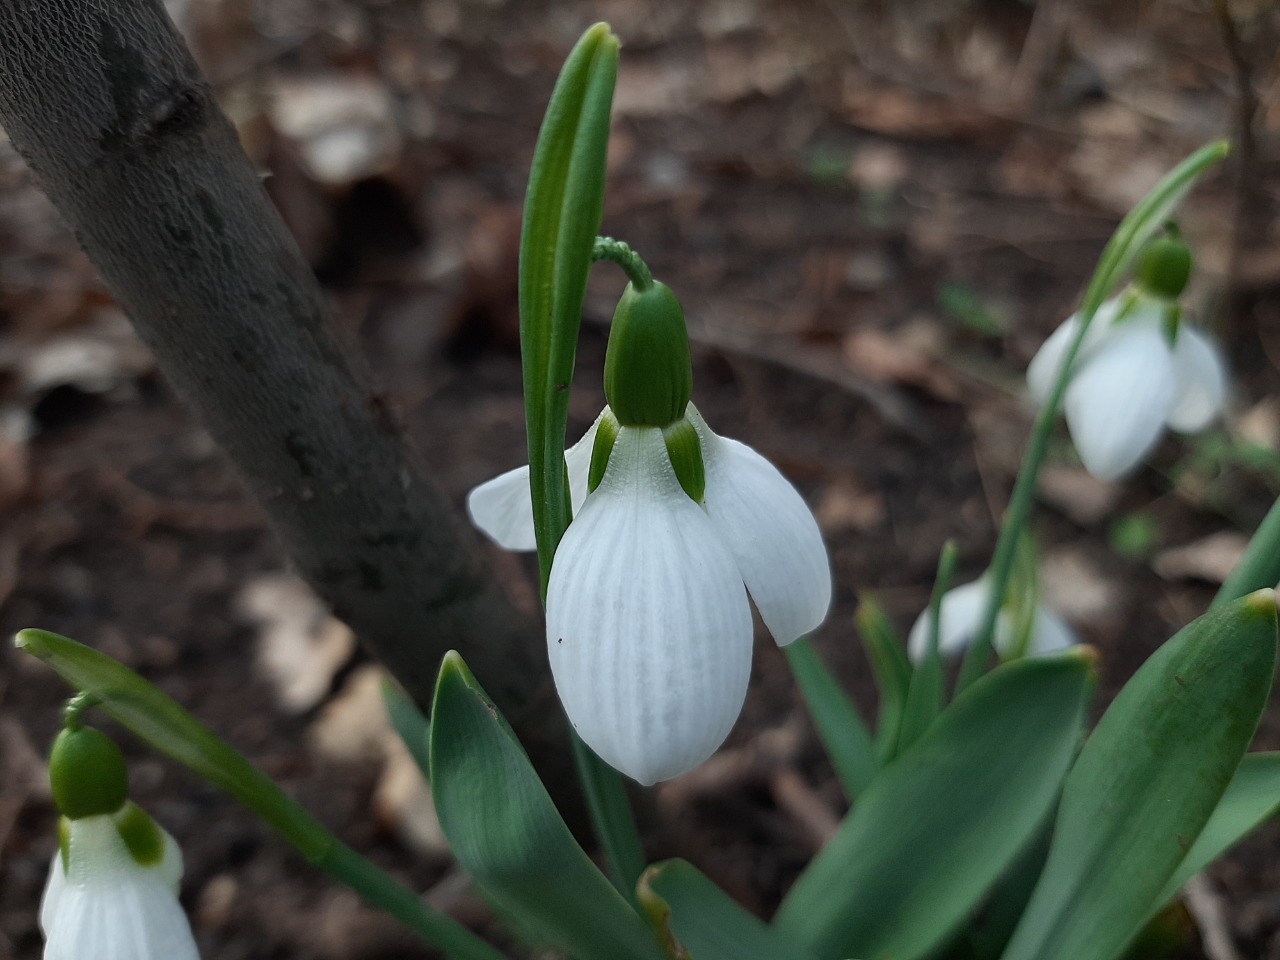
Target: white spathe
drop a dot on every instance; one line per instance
(1129, 383)
(648, 624)
(104, 905)
(960, 616)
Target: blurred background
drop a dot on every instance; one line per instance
(874, 212)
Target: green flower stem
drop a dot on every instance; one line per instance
(611, 818)
(615, 251)
(1148, 217)
(1260, 565)
(161, 722)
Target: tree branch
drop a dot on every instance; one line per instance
(106, 104)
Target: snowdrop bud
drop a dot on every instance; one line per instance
(87, 774)
(1164, 268)
(648, 373)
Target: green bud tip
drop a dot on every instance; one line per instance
(1164, 266)
(648, 372)
(87, 773)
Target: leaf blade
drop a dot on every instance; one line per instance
(1147, 781)
(903, 872)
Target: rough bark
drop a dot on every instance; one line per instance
(106, 104)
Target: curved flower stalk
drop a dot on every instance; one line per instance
(108, 898)
(1138, 371)
(648, 625)
(961, 616)
(112, 892)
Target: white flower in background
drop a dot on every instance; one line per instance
(960, 617)
(104, 901)
(1138, 370)
(648, 625)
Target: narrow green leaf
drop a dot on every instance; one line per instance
(937, 827)
(892, 669)
(836, 718)
(1252, 798)
(505, 831)
(562, 213)
(407, 720)
(1147, 781)
(703, 920)
(164, 724)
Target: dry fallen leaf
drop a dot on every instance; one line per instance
(354, 726)
(300, 645)
(1078, 494)
(1210, 558)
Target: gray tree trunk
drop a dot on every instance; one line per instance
(106, 104)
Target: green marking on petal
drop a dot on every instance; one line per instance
(141, 835)
(602, 448)
(685, 450)
(64, 842)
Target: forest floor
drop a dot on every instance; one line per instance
(873, 213)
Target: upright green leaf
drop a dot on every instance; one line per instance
(562, 215)
(505, 831)
(1260, 565)
(939, 825)
(407, 720)
(1147, 781)
(892, 669)
(683, 904)
(836, 718)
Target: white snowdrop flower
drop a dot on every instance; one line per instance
(1135, 373)
(112, 892)
(960, 617)
(648, 624)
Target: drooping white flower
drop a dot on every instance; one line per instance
(648, 625)
(960, 617)
(112, 892)
(1130, 381)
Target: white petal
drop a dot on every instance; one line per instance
(959, 617)
(1117, 402)
(1201, 378)
(1043, 368)
(1050, 634)
(771, 533)
(648, 625)
(110, 907)
(502, 508)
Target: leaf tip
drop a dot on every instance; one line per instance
(1260, 604)
(33, 642)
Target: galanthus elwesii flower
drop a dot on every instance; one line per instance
(1138, 371)
(112, 892)
(649, 627)
(960, 617)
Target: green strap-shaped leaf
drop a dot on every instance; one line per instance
(704, 922)
(892, 669)
(1252, 798)
(505, 831)
(939, 825)
(1147, 781)
(835, 717)
(562, 213)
